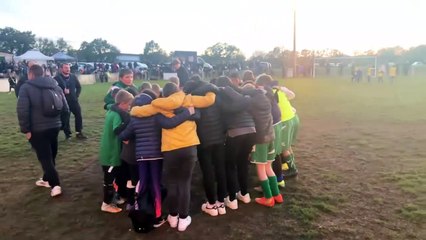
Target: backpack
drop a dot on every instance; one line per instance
(142, 215)
(51, 101)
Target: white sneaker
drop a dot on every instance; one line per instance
(231, 204)
(111, 208)
(245, 199)
(56, 190)
(119, 200)
(42, 183)
(173, 221)
(209, 209)
(184, 223)
(220, 208)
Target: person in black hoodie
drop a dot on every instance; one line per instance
(241, 133)
(211, 151)
(181, 71)
(41, 131)
(72, 89)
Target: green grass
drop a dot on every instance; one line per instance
(402, 101)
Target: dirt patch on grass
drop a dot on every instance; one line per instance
(341, 193)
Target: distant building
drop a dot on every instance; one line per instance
(128, 58)
(6, 56)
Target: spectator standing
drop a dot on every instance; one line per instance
(41, 130)
(72, 89)
(182, 73)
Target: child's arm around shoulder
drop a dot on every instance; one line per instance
(171, 102)
(168, 123)
(203, 101)
(290, 94)
(144, 111)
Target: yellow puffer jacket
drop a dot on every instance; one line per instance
(184, 135)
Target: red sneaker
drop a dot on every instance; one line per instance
(268, 202)
(279, 198)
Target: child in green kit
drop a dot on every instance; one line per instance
(125, 82)
(110, 149)
(264, 150)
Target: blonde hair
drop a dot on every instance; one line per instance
(123, 96)
(174, 80)
(156, 89)
(264, 80)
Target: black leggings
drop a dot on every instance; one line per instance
(110, 173)
(237, 161)
(178, 167)
(212, 163)
(45, 144)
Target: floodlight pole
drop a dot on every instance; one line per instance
(294, 45)
(375, 66)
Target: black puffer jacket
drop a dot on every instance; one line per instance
(260, 109)
(71, 82)
(29, 109)
(210, 127)
(235, 109)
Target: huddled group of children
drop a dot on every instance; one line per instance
(153, 137)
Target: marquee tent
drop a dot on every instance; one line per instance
(61, 56)
(34, 55)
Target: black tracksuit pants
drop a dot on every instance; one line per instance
(178, 167)
(65, 118)
(237, 160)
(45, 144)
(212, 163)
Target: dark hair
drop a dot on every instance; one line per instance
(150, 93)
(248, 76)
(195, 78)
(36, 70)
(234, 75)
(213, 81)
(124, 71)
(176, 61)
(169, 89)
(63, 64)
(223, 82)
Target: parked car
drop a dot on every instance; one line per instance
(85, 68)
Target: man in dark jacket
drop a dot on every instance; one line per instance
(182, 73)
(41, 131)
(72, 89)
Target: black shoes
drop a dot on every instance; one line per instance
(290, 173)
(81, 136)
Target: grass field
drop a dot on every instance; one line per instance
(361, 156)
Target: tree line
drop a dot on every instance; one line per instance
(100, 50)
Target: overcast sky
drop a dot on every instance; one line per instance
(347, 25)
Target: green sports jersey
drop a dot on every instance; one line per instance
(284, 104)
(109, 100)
(109, 154)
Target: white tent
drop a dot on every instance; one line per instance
(7, 56)
(34, 55)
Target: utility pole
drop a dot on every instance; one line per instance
(294, 46)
